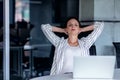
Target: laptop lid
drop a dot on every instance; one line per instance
(94, 67)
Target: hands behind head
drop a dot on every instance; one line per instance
(66, 32)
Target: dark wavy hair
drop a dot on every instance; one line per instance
(72, 18)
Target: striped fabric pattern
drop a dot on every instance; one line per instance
(60, 44)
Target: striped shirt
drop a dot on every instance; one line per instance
(60, 44)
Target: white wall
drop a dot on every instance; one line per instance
(117, 25)
(104, 44)
(117, 32)
(104, 10)
(117, 9)
(111, 31)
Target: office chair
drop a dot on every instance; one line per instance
(117, 49)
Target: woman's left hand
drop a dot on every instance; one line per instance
(80, 30)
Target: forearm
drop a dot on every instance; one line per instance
(47, 30)
(91, 38)
(57, 29)
(88, 28)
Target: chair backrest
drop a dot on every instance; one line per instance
(117, 48)
(92, 50)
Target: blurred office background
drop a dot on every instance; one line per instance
(31, 53)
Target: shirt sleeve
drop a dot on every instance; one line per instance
(91, 38)
(51, 36)
(53, 70)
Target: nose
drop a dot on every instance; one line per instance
(73, 26)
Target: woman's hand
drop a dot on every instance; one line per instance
(80, 30)
(65, 31)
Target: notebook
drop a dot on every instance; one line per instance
(95, 67)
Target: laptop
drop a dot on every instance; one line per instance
(94, 67)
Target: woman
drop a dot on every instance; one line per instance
(66, 49)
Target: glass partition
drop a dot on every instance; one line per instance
(22, 10)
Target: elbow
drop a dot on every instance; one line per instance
(46, 27)
(98, 25)
(42, 26)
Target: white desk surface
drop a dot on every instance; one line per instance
(69, 77)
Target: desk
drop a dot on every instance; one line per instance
(18, 67)
(35, 47)
(69, 77)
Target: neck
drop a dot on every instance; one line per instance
(73, 40)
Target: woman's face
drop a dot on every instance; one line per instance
(73, 27)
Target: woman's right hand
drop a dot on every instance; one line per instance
(65, 31)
